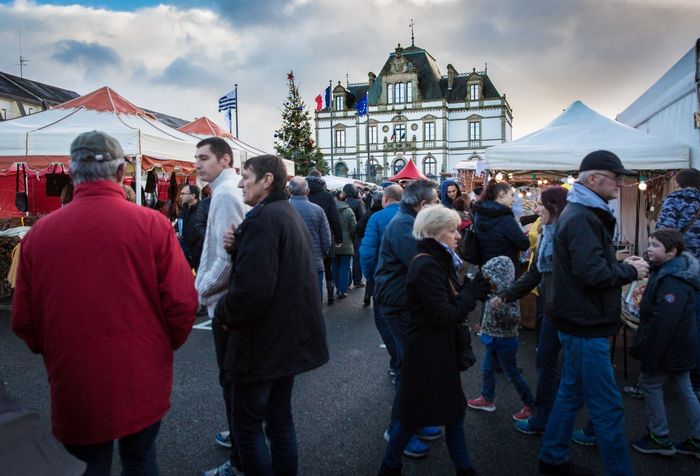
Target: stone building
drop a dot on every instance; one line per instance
(21, 96)
(440, 122)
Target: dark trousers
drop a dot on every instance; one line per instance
(396, 319)
(328, 268)
(384, 332)
(220, 344)
(268, 402)
(356, 269)
(547, 364)
(136, 451)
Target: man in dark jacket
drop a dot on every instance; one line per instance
(398, 247)
(352, 198)
(273, 313)
(586, 311)
(324, 199)
(189, 199)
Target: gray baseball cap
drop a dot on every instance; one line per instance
(97, 146)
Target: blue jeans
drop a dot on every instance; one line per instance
(341, 272)
(268, 402)
(587, 377)
(356, 269)
(221, 339)
(653, 388)
(397, 321)
(320, 282)
(505, 350)
(547, 364)
(136, 451)
(400, 435)
(385, 334)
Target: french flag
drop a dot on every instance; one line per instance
(324, 101)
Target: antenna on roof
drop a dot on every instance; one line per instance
(412, 24)
(22, 60)
(486, 67)
(347, 80)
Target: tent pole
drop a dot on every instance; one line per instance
(137, 178)
(636, 224)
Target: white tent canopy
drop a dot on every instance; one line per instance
(45, 137)
(579, 130)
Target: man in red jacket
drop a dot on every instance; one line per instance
(105, 295)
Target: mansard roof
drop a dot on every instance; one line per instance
(23, 88)
(459, 88)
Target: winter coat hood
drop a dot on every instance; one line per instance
(583, 195)
(500, 271)
(446, 201)
(316, 184)
(341, 205)
(489, 212)
(685, 267)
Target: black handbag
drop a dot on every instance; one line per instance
(470, 248)
(465, 352)
(56, 182)
(21, 198)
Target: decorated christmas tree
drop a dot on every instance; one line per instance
(293, 140)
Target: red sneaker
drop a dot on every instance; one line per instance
(481, 404)
(524, 413)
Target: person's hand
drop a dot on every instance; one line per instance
(640, 265)
(229, 238)
(497, 302)
(479, 287)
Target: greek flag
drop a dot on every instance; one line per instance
(228, 102)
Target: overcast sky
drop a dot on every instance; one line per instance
(179, 58)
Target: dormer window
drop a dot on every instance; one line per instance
(409, 92)
(474, 93)
(389, 93)
(339, 103)
(400, 91)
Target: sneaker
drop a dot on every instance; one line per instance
(415, 447)
(564, 469)
(223, 438)
(226, 469)
(526, 412)
(691, 447)
(481, 404)
(633, 391)
(582, 438)
(342, 295)
(652, 444)
(430, 433)
(524, 426)
(361, 285)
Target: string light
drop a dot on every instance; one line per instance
(570, 180)
(499, 176)
(539, 182)
(642, 184)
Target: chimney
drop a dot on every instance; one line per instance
(371, 77)
(451, 75)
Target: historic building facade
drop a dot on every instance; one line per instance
(441, 122)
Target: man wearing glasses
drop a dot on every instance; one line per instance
(191, 245)
(586, 311)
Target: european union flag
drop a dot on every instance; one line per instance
(361, 106)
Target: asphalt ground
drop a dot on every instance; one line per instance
(342, 409)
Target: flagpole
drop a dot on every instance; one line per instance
(367, 131)
(330, 105)
(236, 93)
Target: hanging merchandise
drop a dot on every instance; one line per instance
(173, 195)
(56, 182)
(151, 181)
(21, 198)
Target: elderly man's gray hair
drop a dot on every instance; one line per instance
(92, 170)
(298, 186)
(417, 192)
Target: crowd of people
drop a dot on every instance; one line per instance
(266, 250)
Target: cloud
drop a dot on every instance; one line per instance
(188, 73)
(88, 54)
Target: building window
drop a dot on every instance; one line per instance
(475, 134)
(339, 140)
(430, 167)
(341, 170)
(30, 110)
(429, 134)
(399, 134)
(399, 164)
(409, 92)
(400, 92)
(473, 92)
(372, 169)
(389, 93)
(339, 103)
(372, 134)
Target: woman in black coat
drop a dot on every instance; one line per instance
(431, 389)
(495, 226)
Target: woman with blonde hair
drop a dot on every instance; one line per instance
(431, 389)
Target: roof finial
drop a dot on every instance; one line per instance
(486, 67)
(412, 24)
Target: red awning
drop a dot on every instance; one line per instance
(206, 127)
(409, 172)
(104, 99)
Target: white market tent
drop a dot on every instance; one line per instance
(205, 127)
(670, 108)
(44, 138)
(561, 145)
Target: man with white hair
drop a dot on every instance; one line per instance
(315, 219)
(105, 295)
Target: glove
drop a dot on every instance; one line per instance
(479, 287)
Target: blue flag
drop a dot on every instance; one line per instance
(228, 102)
(361, 106)
(327, 98)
